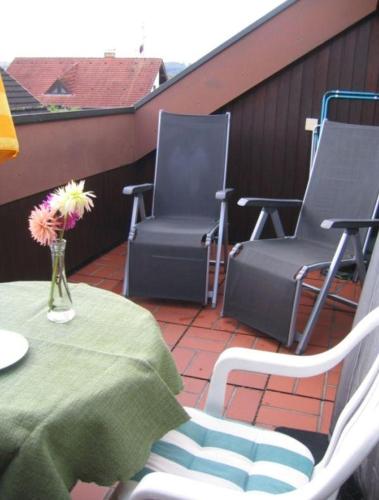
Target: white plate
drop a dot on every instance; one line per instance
(13, 347)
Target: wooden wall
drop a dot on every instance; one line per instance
(269, 147)
(100, 230)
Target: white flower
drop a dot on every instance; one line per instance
(72, 199)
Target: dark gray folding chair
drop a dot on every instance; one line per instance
(265, 278)
(169, 252)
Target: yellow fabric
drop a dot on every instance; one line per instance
(9, 147)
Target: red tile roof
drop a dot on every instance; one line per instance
(92, 82)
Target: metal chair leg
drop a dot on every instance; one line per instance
(226, 240)
(218, 253)
(323, 293)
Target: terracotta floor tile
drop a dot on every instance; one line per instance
(330, 392)
(172, 333)
(327, 314)
(333, 376)
(118, 288)
(281, 384)
(188, 399)
(307, 298)
(240, 340)
(110, 272)
(311, 386)
(336, 337)
(205, 339)
(112, 260)
(201, 365)
(90, 268)
(225, 323)
(243, 404)
(111, 285)
(228, 395)
(276, 417)
(321, 336)
(149, 304)
(194, 385)
(174, 313)
(348, 289)
(209, 334)
(193, 391)
(291, 402)
(321, 333)
(247, 379)
(120, 250)
(326, 416)
(207, 317)
(88, 491)
(241, 328)
(183, 358)
(211, 318)
(344, 324)
(266, 344)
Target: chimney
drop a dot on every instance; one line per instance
(110, 53)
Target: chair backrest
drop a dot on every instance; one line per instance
(355, 368)
(344, 180)
(190, 164)
(355, 435)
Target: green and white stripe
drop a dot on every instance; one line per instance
(231, 455)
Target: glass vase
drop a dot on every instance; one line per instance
(60, 308)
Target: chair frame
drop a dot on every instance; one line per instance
(358, 422)
(218, 234)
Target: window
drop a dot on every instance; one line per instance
(58, 88)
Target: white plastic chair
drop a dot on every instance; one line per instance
(355, 434)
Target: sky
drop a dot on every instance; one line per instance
(180, 31)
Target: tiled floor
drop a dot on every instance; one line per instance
(196, 336)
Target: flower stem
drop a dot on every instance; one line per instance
(55, 273)
(53, 280)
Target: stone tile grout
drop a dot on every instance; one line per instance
(113, 265)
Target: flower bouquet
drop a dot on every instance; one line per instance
(60, 211)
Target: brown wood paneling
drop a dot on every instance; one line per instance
(100, 230)
(269, 148)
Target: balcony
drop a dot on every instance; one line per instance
(269, 152)
(196, 336)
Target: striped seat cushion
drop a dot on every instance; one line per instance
(231, 455)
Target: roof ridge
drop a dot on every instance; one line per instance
(82, 59)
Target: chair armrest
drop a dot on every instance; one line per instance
(349, 223)
(238, 358)
(269, 202)
(224, 194)
(165, 486)
(137, 189)
(138, 205)
(269, 208)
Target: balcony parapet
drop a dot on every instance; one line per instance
(28, 118)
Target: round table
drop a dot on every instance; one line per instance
(90, 396)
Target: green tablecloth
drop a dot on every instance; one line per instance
(88, 399)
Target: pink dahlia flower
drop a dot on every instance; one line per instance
(43, 224)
